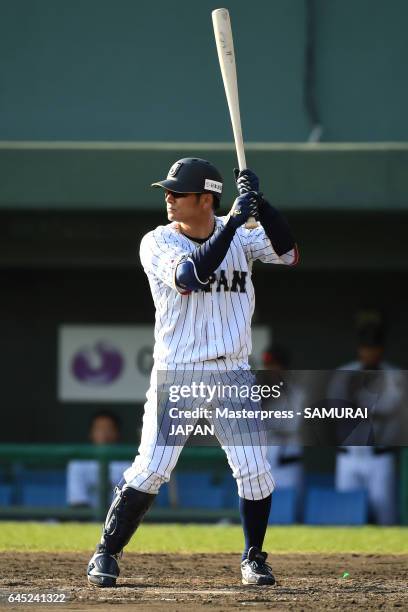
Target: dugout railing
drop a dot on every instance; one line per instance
(15, 456)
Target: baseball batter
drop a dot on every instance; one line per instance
(199, 270)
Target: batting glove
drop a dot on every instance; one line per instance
(246, 180)
(245, 206)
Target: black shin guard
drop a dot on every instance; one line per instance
(124, 516)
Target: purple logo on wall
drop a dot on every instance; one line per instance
(97, 365)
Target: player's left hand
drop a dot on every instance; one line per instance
(246, 180)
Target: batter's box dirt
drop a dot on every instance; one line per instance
(203, 582)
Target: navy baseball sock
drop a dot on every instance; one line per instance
(254, 518)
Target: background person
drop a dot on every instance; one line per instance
(372, 468)
(83, 475)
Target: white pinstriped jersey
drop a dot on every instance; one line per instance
(204, 324)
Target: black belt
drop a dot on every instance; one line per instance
(289, 459)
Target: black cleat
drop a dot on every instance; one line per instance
(103, 569)
(254, 569)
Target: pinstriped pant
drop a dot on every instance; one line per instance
(243, 440)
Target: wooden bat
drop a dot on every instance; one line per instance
(226, 56)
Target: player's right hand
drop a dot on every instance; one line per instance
(245, 206)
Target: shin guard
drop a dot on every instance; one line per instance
(124, 516)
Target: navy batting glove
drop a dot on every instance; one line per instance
(246, 180)
(245, 206)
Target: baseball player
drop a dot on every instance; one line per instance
(372, 468)
(199, 270)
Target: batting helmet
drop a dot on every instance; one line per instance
(192, 175)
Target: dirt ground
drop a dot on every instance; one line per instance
(211, 582)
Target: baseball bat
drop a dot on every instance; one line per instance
(226, 56)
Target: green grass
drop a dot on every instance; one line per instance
(205, 538)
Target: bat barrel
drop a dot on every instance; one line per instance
(226, 56)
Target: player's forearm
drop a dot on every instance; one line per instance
(194, 272)
(276, 228)
(275, 225)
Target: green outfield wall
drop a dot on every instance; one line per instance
(92, 175)
(137, 70)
